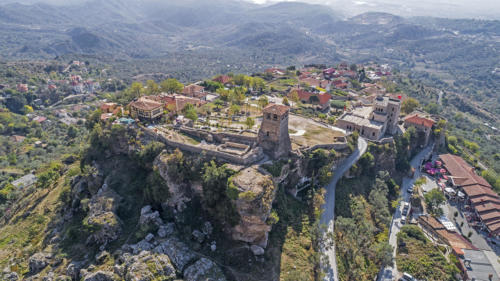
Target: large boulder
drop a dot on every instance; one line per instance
(150, 217)
(100, 276)
(256, 195)
(38, 262)
(148, 266)
(177, 251)
(204, 270)
(102, 216)
(166, 230)
(11, 276)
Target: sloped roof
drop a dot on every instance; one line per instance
(418, 120)
(479, 190)
(145, 104)
(462, 171)
(276, 109)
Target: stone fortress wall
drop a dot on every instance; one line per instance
(249, 158)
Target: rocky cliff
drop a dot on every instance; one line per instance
(256, 195)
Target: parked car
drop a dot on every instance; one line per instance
(407, 277)
(406, 208)
(403, 219)
(410, 190)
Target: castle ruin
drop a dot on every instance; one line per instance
(273, 134)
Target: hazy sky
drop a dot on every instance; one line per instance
(487, 9)
(439, 8)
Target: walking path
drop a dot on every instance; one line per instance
(328, 215)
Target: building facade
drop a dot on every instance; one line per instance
(375, 121)
(146, 109)
(273, 134)
(421, 124)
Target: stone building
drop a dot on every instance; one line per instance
(373, 122)
(147, 109)
(421, 124)
(273, 134)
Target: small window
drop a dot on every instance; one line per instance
(373, 134)
(267, 134)
(275, 117)
(269, 116)
(393, 109)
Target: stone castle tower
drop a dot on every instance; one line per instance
(393, 111)
(273, 134)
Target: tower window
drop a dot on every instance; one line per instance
(267, 133)
(275, 117)
(269, 116)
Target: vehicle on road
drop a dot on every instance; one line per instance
(410, 190)
(406, 208)
(403, 220)
(407, 277)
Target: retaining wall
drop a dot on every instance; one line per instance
(250, 158)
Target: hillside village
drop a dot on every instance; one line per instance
(228, 167)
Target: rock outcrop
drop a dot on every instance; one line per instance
(177, 251)
(102, 216)
(148, 266)
(203, 269)
(179, 192)
(38, 262)
(100, 276)
(256, 195)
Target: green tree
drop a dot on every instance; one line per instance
(409, 105)
(152, 88)
(217, 187)
(432, 108)
(171, 86)
(285, 101)
(434, 199)
(250, 122)
(190, 112)
(136, 89)
(295, 97)
(263, 101)
(72, 132)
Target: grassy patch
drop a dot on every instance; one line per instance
(419, 257)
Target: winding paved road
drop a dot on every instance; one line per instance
(391, 273)
(328, 215)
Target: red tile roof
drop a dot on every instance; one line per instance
(417, 120)
(487, 207)
(462, 173)
(222, 79)
(276, 109)
(485, 198)
(477, 190)
(305, 96)
(193, 89)
(144, 103)
(492, 216)
(494, 228)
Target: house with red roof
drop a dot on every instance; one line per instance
(484, 201)
(276, 71)
(23, 88)
(330, 73)
(145, 108)
(223, 79)
(322, 100)
(194, 91)
(422, 124)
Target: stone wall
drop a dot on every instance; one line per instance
(251, 157)
(219, 137)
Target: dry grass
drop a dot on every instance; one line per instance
(315, 133)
